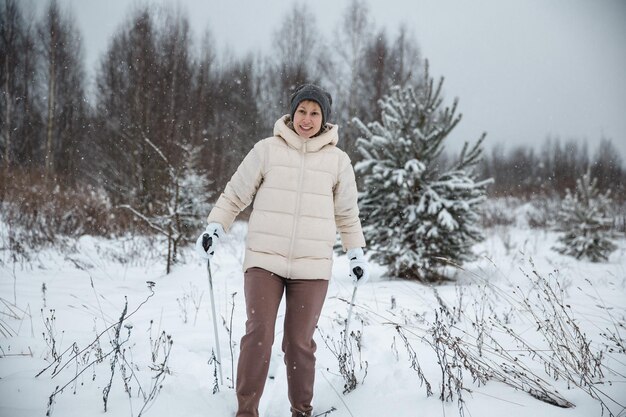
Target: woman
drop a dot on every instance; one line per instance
(304, 189)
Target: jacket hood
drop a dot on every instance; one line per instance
(329, 136)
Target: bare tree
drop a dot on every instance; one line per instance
(351, 44)
(11, 24)
(293, 61)
(123, 111)
(19, 119)
(565, 163)
(204, 91)
(405, 60)
(366, 65)
(375, 76)
(344, 69)
(607, 167)
(389, 64)
(205, 107)
(237, 120)
(174, 48)
(151, 95)
(143, 92)
(63, 80)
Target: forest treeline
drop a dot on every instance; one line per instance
(165, 108)
(553, 168)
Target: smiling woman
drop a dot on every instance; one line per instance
(304, 190)
(307, 120)
(310, 109)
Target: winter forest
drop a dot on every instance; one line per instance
(499, 272)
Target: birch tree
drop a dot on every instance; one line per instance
(20, 121)
(63, 85)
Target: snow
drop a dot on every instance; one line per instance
(88, 282)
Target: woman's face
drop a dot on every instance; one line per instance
(307, 121)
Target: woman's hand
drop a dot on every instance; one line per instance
(207, 241)
(359, 268)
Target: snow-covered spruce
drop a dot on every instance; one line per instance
(584, 219)
(417, 217)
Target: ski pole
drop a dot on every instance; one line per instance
(206, 242)
(359, 273)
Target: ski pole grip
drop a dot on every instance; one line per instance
(358, 271)
(207, 241)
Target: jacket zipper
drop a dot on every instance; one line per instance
(297, 211)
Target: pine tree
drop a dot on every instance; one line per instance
(418, 217)
(585, 222)
(178, 217)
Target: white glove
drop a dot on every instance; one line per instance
(357, 260)
(206, 247)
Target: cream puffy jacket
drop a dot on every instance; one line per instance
(303, 191)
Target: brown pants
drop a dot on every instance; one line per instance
(304, 298)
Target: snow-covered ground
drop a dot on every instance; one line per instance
(56, 302)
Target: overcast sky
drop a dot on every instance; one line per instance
(522, 70)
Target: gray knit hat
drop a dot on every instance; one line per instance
(315, 93)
